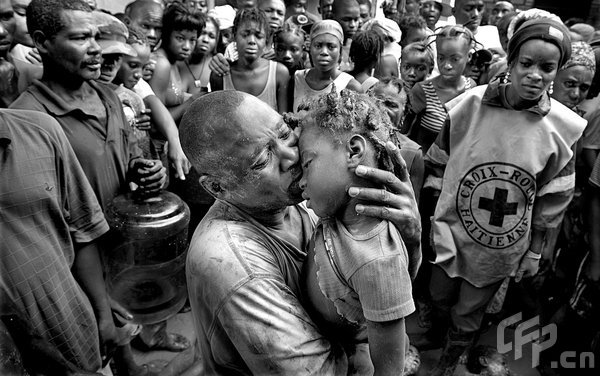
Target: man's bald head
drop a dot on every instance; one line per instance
(147, 16)
(208, 127)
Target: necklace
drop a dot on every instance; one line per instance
(197, 82)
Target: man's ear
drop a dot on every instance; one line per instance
(212, 185)
(356, 148)
(40, 41)
(483, 361)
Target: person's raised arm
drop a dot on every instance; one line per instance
(166, 126)
(283, 79)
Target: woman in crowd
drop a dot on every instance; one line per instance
(181, 29)
(502, 184)
(195, 73)
(326, 40)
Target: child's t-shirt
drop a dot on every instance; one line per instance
(364, 275)
(133, 105)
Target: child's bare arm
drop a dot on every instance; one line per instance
(160, 78)
(387, 345)
(283, 80)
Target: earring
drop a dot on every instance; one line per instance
(505, 78)
(551, 88)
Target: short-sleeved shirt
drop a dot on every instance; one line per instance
(104, 151)
(364, 275)
(591, 134)
(243, 281)
(46, 207)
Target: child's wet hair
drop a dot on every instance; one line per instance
(349, 113)
(252, 15)
(456, 31)
(366, 48)
(423, 49)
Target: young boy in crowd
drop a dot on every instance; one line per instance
(357, 267)
(251, 73)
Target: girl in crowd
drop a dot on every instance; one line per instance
(391, 93)
(502, 184)
(390, 57)
(195, 73)
(428, 97)
(181, 29)
(289, 47)
(432, 10)
(356, 273)
(326, 40)
(574, 79)
(365, 51)
(413, 28)
(416, 64)
(251, 73)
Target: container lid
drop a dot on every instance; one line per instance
(161, 210)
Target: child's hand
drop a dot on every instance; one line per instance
(219, 65)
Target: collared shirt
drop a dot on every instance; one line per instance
(103, 150)
(46, 207)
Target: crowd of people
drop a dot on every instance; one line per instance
(344, 170)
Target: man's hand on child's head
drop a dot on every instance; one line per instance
(396, 202)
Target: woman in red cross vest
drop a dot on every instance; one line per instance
(505, 171)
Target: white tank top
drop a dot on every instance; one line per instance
(303, 92)
(269, 93)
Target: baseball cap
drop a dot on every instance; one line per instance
(113, 35)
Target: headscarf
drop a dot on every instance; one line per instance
(530, 14)
(330, 27)
(389, 28)
(581, 54)
(545, 29)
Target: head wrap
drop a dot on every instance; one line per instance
(327, 27)
(389, 28)
(544, 29)
(529, 14)
(581, 54)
